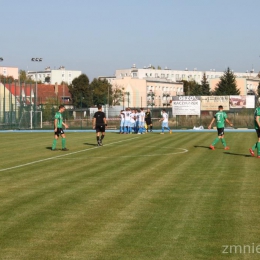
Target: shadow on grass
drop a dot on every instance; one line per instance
(90, 144)
(238, 154)
(49, 148)
(201, 146)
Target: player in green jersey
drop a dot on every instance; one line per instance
(58, 130)
(257, 129)
(221, 118)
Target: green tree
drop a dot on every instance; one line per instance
(102, 91)
(81, 92)
(196, 89)
(48, 109)
(24, 78)
(186, 87)
(227, 84)
(117, 95)
(205, 86)
(191, 88)
(6, 79)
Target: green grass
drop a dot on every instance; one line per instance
(137, 197)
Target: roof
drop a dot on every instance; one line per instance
(44, 92)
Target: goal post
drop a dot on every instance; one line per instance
(30, 119)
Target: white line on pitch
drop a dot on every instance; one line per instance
(63, 155)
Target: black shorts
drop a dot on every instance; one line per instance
(220, 131)
(258, 132)
(59, 132)
(100, 128)
(148, 121)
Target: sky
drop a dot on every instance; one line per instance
(98, 37)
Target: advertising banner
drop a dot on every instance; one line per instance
(242, 101)
(211, 103)
(185, 105)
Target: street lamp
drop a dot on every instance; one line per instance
(36, 88)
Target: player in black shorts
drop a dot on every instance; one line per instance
(99, 123)
(148, 120)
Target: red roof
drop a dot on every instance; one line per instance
(44, 92)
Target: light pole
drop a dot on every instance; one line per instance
(36, 89)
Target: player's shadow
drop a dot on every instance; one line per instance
(48, 147)
(238, 154)
(90, 144)
(201, 146)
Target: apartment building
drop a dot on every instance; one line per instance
(147, 92)
(9, 71)
(176, 75)
(54, 76)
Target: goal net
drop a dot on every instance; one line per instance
(30, 120)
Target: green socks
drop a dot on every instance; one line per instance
(254, 146)
(54, 144)
(63, 143)
(223, 142)
(258, 148)
(215, 141)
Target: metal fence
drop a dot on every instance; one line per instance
(19, 110)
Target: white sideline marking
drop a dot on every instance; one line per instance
(55, 157)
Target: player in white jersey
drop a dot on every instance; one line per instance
(136, 121)
(122, 122)
(164, 121)
(127, 114)
(132, 121)
(141, 122)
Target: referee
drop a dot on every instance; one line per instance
(99, 123)
(148, 120)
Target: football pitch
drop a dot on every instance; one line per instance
(141, 197)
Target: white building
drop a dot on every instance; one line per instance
(175, 75)
(56, 76)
